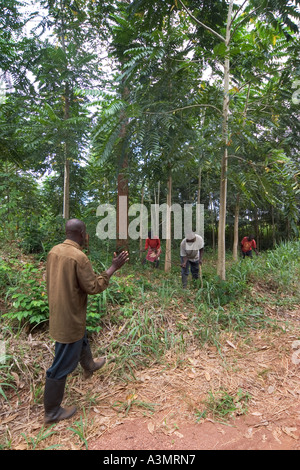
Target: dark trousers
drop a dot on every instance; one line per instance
(67, 357)
(190, 266)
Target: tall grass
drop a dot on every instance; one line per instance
(144, 339)
(279, 268)
(169, 318)
(230, 306)
(145, 313)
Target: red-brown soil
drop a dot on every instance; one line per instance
(165, 407)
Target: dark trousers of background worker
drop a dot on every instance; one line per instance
(190, 265)
(247, 253)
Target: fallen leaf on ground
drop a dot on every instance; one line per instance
(151, 428)
(290, 432)
(207, 376)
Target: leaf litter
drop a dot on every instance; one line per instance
(167, 394)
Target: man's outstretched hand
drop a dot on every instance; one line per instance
(117, 262)
(120, 259)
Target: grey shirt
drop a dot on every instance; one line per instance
(191, 250)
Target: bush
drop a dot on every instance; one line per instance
(216, 292)
(39, 235)
(29, 302)
(119, 292)
(5, 275)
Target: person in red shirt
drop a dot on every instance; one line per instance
(246, 246)
(153, 246)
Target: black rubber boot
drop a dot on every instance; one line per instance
(53, 395)
(88, 364)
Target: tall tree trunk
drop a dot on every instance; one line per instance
(236, 228)
(212, 219)
(237, 207)
(224, 162)
(155, 229)
(199, 214)
(66, 203)
(141, 223)
(168, 261)
(122, 208)
(273, 227)
(123, 190)
(256, 222)
(221, 270)
(199, 186)
(66, 98)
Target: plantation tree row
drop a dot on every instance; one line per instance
(177, 101)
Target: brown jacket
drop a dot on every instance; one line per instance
(70, 278)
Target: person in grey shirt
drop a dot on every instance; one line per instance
(191, 255)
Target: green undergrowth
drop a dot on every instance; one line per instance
(145, 312)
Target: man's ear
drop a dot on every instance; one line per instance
(82, 234)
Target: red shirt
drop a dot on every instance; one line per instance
(153, 243)
(247, 245)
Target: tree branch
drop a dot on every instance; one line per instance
(202, 24)
(250, 82)
(237, 12)
(186, 107)
(245, 18)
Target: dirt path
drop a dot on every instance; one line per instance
(175, 405)
(241, 434)
(260, 367)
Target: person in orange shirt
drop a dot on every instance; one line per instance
(246, 246)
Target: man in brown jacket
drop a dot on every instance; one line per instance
(70, 278)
